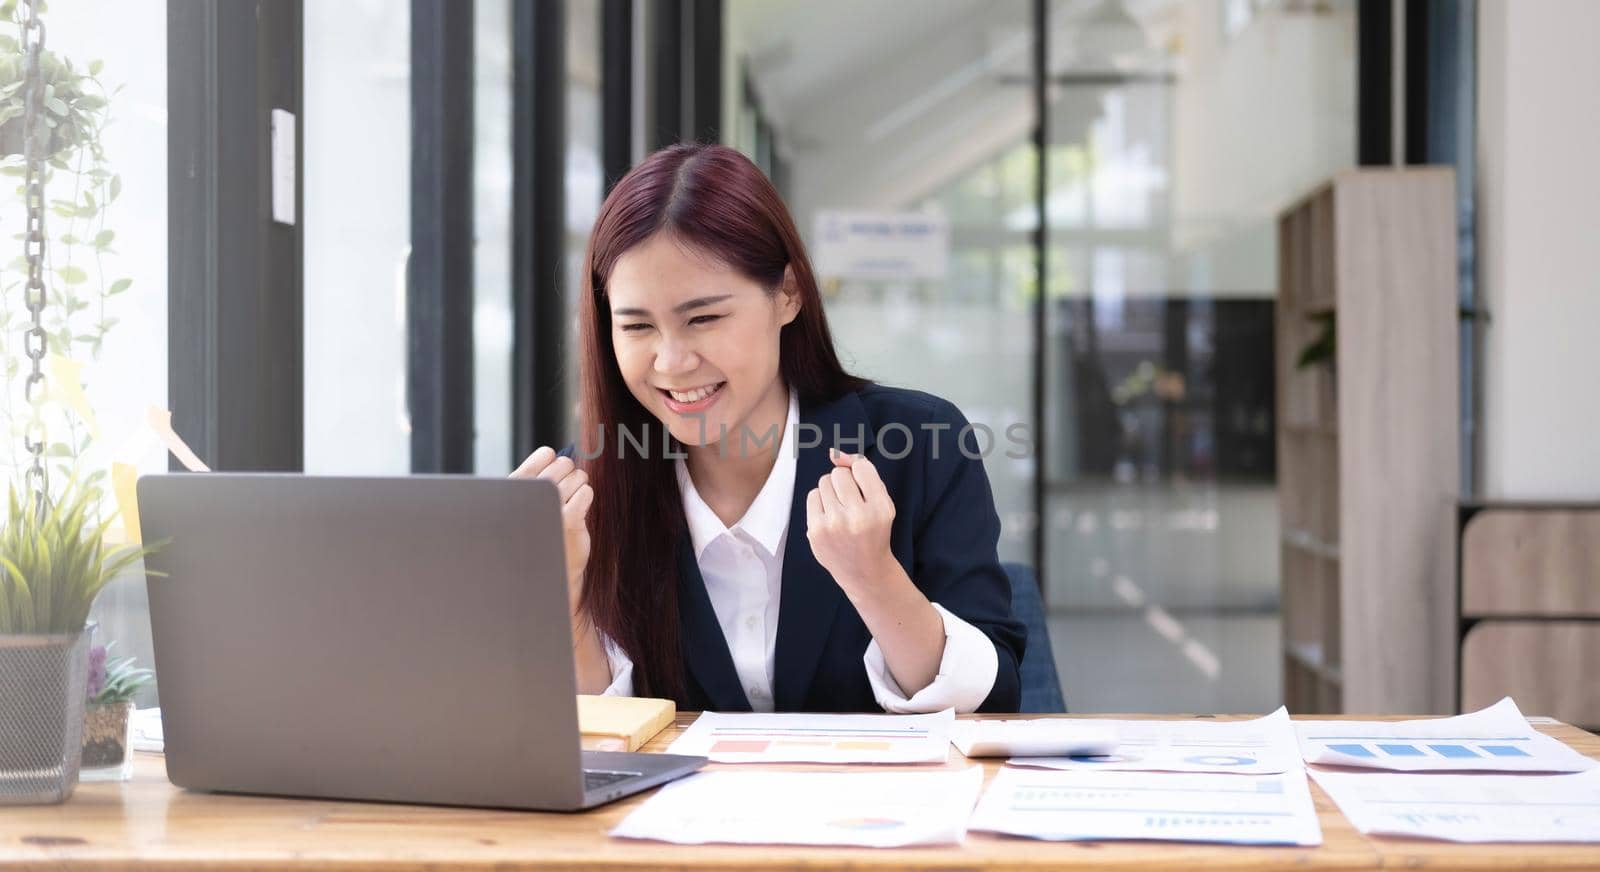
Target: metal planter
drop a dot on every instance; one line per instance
(42, 684)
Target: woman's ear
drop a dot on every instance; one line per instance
(788, 298)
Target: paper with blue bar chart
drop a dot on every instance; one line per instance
(1495, 739)
(1167, 806)
(1480, 807)
(807, 738)
(1261, 746)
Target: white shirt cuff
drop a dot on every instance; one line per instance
(966, 672)
(621, 668)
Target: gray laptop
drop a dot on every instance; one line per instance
(395, 639)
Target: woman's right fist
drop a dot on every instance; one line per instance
(576, 496)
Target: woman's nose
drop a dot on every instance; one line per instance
(674, 357)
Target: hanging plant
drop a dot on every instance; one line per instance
(82, 186)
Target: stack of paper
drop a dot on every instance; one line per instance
(1496, 739)
(881, 810)
(805, 738)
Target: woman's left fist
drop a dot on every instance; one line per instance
(848, 516)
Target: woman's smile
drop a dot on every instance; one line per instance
(694, 400)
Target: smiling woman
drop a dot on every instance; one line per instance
(701, 326)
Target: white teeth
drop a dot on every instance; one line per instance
(695, 395)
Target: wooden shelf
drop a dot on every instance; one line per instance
(1367, 442)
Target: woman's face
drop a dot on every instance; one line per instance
(697, 342)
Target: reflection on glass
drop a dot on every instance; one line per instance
(1170, 154)
(491, 226)
(357, 189)
(919, 109)
(584, 186)
(1176, 130)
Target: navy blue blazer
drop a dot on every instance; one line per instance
(945, 533)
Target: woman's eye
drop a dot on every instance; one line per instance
(703, 319)
(634, 328)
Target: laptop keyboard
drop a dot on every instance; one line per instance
(593, 779)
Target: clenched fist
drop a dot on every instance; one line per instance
(848, 516)
(577, 496)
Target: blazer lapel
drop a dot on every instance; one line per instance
(809, 597)
(705, 651)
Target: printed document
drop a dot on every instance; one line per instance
(885, 809)
(1171, 806)
(1261, 746)
(810, 738)
(1469, 808)
(1497, 738)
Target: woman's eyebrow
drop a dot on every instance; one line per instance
(696, 303)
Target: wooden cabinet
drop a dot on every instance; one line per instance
(1368, 456)
(1530, 607)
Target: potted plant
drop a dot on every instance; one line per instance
(53, 561)
(108, 714)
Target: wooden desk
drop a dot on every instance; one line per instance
(148, 823)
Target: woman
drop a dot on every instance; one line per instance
(738, 558)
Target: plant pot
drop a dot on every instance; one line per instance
(42, 683)
(107, 741)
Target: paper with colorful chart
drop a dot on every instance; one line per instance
(808, 738)
(1515, 807)
(886, 809)
(1274, 809)
(1261, 746)
(1495, 739)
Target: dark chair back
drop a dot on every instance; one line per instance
(1041, 685)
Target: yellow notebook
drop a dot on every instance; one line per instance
(621, 723)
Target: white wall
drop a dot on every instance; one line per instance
(1539, 223)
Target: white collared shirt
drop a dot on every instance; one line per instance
(742, 567)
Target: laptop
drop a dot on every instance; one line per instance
(391, 639)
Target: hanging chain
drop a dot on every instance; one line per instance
(33, 247)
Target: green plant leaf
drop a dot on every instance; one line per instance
(119, 286)
(73, 275)
(95, 66)
(116, 186)
(103, 239)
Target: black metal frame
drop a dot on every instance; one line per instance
(666, 67)
(705, 85)
(235, 294)
(1041, 238)
(616, 90)
(538, 226)
(1374, 82)
(1441, 128)
(439, 278)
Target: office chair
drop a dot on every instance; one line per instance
(1041, 684)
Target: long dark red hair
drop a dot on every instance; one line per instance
(713, 199)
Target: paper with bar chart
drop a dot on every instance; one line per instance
(1495, 739)
(882, 810)
(1168, 806)
(809, 738)
(1479, 807)
(1260, 746)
